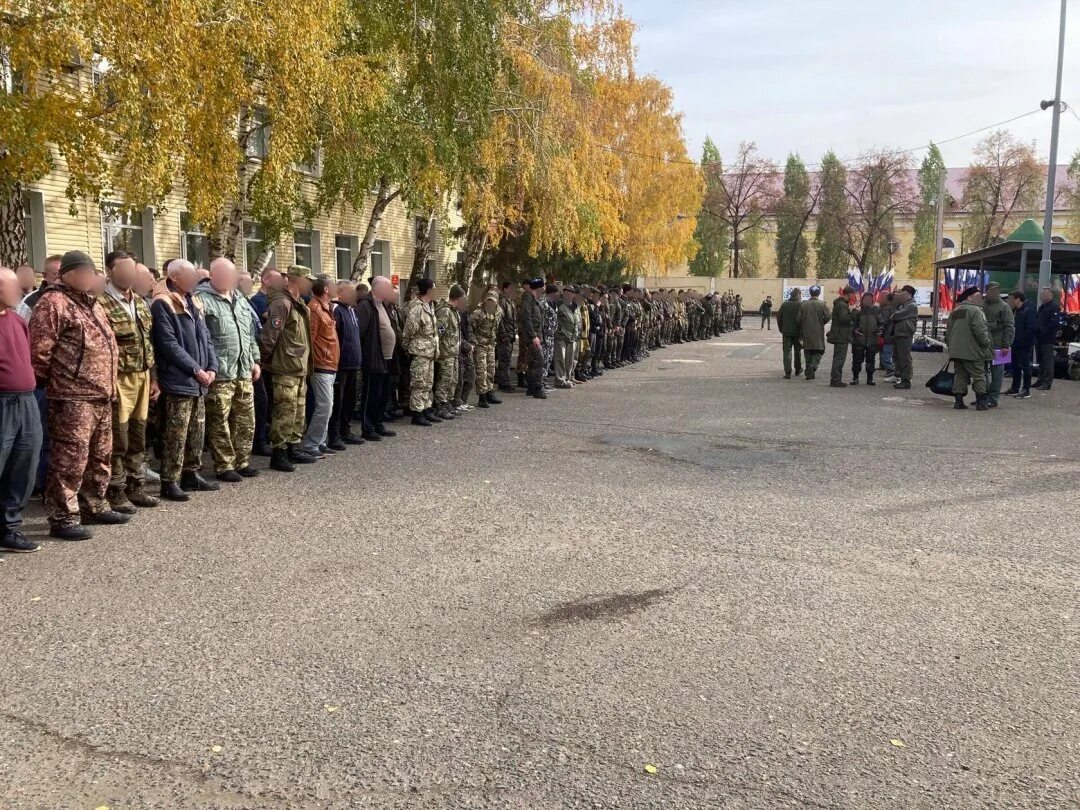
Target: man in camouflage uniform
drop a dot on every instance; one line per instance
(421, 339)
(74, 355)
(508, 333)
(550, 305)
(532, 333)
(614, 338)
(485, 323)
(136, 386)
(581, 369)
(448, 323)
(285, 351)
(230, 402)
(597, 331)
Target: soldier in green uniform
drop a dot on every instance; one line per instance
(840, 336)
(421, 339)
(448, 322)
(787, 319)
(999, 320)
(508, 330)
(532, 333)
(484, 323)
(285, 350)
(970, 348)
(812, 317)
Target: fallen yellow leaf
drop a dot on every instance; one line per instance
(897, 743)
(102, 807)
(331, 709)
(216, 749)
(650, 769)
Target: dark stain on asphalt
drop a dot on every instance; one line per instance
(598, 607)
(704, 453)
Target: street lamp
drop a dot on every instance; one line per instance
(1045, 265)
(892, 247)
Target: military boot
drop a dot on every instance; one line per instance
(431, 416)
(139, 496)
(119, 502)
(522, 383)
(279, 460)
(982, 402)
(959, 405)
(492, 399)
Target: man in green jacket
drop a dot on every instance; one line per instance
(840, 336)
(968, 339)
(900, 332)
(864, 339)
(230, 402)
(285, 344)
(812, 317)
(787, 319)
(999, 320)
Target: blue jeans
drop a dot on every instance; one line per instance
(43, 460)
(1021, 369)
(20, 443)
(886, 356)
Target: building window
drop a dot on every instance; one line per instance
(254, 247)
(122, 229)
(194, 244)
(312, 165)
(947, 243)
(303, 251)
(379, 258)
(257, 144)
(345, 249)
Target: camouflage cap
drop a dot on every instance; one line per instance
(299, 271)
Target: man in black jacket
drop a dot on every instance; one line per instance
(1026, 325)
(532, 330)
(348, 331)
(1049, 316)
(378, 341)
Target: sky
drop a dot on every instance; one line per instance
(794, 75)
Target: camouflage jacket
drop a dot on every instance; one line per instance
(72, 346)
(485, 327)
(133, 338)
(509, 320)
(551, 319)
(421, 334)
(448, 323)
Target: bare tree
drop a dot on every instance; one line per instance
(878, 189)
(1004, 183)
(740, 196)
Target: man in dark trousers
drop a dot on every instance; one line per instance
(766, 313)
(787, 321)
(812, 317)
(1049, 317)
(840, 336)
(1026, 327)
(900, 333)
(348, 331)
(378, 342)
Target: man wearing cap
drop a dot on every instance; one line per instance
(74, 355)
(812, 317)
(999, 320)
(285, 348)
(900, 332)
(136, 383)
(864, 338)
(550, 305)
(532, 333)
(566, 332)
(421, 339)
(968, 338)
(1048, 316)
(508, 326)
(787, 321)
(484, 325)
(840, 336)
(447, 371)
(187, 365)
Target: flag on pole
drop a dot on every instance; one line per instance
(855, 279)
(1072, 294)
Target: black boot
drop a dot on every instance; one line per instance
(431, 416)
(482, 402)
(492, 399)
(193, 482)
(981, 402)
(279, 460)
(420, 420)
(959, 405)
(522, 383)
(870, 377)
(170, 491)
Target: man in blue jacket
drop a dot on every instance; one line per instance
(348, 332)
(1026, 325)
(1049, 317)
(187, 365)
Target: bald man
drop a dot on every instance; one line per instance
(270, 280)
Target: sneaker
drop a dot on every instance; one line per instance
(70, 531)
(892, 379)
(372, 437)
(338, 446)
(149, 476)
(16, 543)
(1025, 394)
(298, 456)
(327, 450)
(354, 440)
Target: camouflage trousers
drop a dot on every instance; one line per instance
(130, 410)
(421, 381)
(485, 368)
(80, 434)
(287, 422)
(185, 428)
(524, 353)
(549, 354)
(230, 423)
(466, 378)
(446, 380)
(504, 350)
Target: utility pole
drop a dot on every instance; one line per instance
(1048, 221)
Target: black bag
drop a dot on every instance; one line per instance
(942, 382)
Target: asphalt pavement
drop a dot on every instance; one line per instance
(689, 584)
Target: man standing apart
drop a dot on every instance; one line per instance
(75, 356)
(1025, 333)
(812, 317)
(900, 332)
(787, 321)
(532, 332)
(766, 312)
(285, 347)
(999, 320)
(448, 321)
(230, 401)
(484, 327)
(348, 333)
(325, 354)
(504, 348)
(968, 339)
(136, 385)
(1048, 315)
(20, 426)
(421, 339)
(566, 334)
(840, 336)
(187, 366)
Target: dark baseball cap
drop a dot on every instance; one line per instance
(74, 259)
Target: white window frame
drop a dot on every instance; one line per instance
(193, 229)
(380, 249)
(110, 229)
(310, 245)
(313, 169)
(258, 143)
(251, 227)
(350, 250)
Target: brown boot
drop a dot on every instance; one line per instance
(139, 496)
(119, 502)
